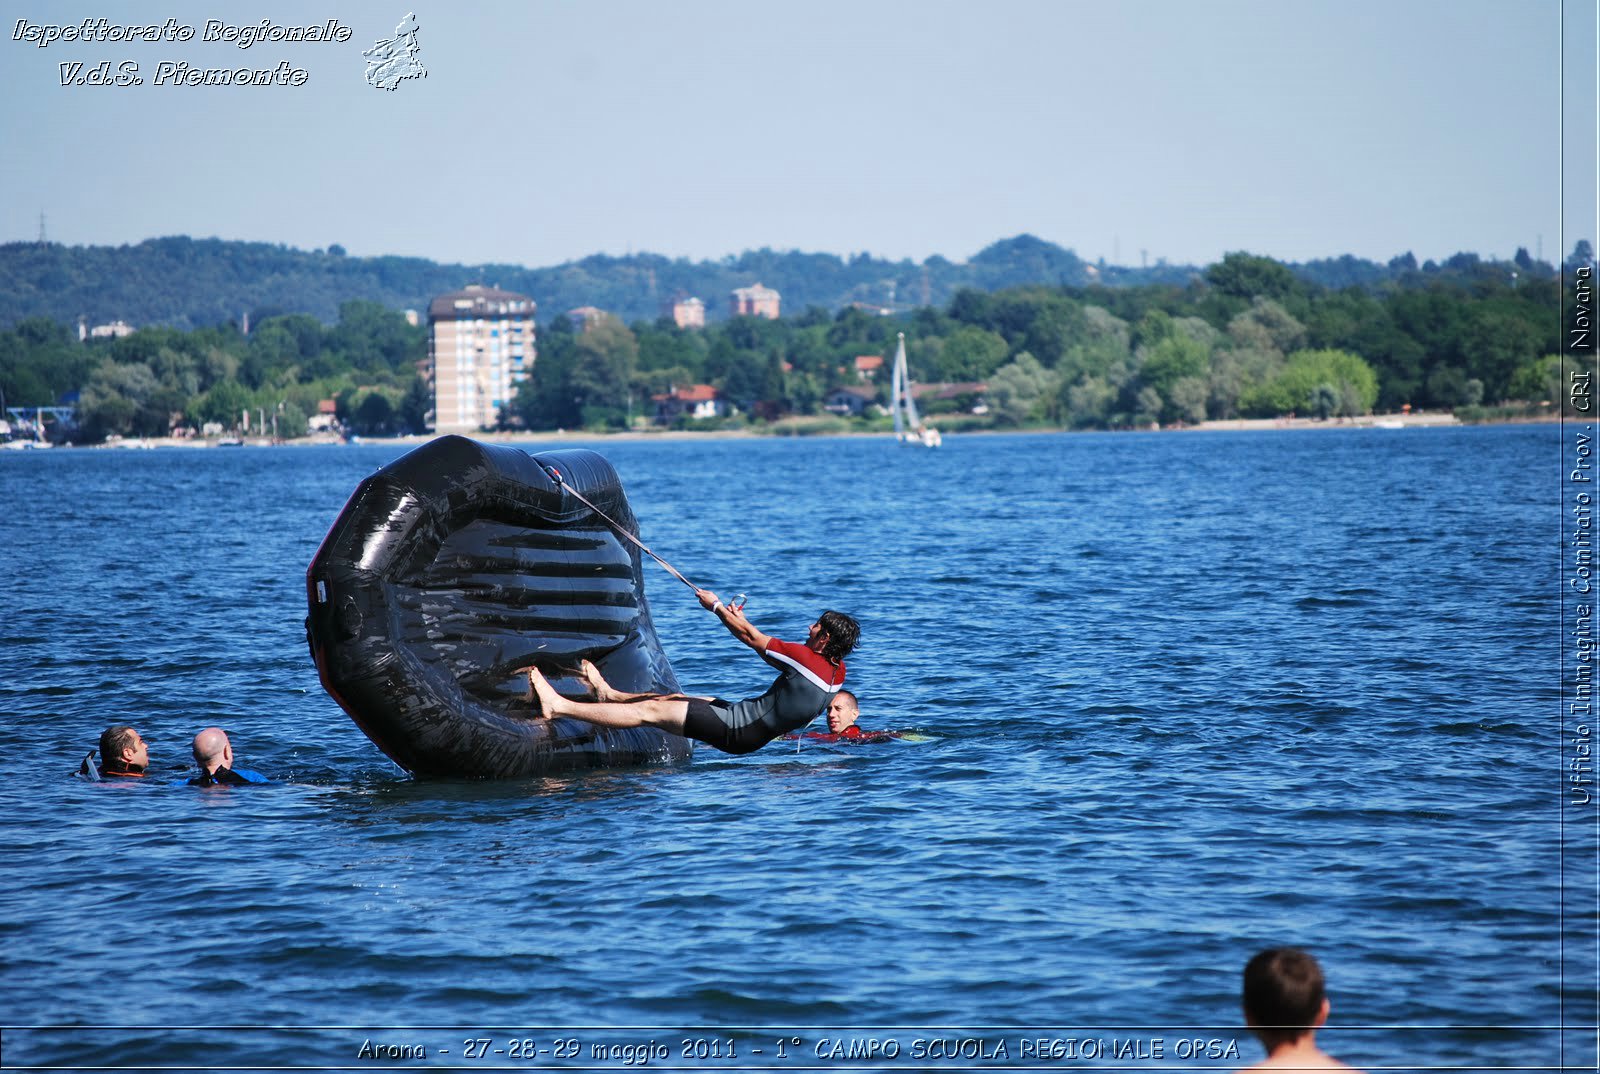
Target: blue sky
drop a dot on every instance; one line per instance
(547, 130)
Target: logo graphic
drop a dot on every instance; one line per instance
(391, 62)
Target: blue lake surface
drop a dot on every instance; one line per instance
(1183, 696)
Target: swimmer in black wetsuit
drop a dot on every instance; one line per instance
(214, 754)
(809, 676)
(123, 753)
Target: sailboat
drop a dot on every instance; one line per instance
(908, 427)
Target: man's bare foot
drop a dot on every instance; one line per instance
(549, 702)
(603, 690)
(528, 694)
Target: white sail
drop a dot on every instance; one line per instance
(905, 383)
(908, 427)
(896, 380)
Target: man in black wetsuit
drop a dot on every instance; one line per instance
(214, 754)
(123, 753)
(809, 676)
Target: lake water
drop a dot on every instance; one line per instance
(1180, 696)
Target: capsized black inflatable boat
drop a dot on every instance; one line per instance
(459, 563)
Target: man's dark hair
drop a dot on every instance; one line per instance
(113, 740)
(843, 633)
(1283, 994)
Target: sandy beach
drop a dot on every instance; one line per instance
(1421, 420)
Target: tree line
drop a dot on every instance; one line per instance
(156, 379)
(1246, 338)
(197, 283)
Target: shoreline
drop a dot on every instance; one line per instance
(1423, 420)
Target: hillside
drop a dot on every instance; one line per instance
(191, 283)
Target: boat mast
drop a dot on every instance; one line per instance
(896, 383)
(912, 419)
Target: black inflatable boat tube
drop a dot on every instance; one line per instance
(459, 563)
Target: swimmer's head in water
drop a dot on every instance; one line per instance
(843, 632)
(842, 711)
(117, 738)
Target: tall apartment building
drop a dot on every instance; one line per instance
(480, 347)
(756, 301)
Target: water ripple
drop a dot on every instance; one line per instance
(1172, 706)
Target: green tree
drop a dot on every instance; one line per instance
(1020, 389)
(968, 353)
(1243, 275)
(1152, 328)
(1089, 403)
(604, 359)
(373, 413)
(1104, 358)
(223, 404)
(1502, 342)
(666, 346)
(1538, 381)
(803, 393)
(1101, 326)
(1450, 387)
(546, 399)
(272, 346)
(1147, 407)
(1292, 390)
(1055, 324)
(1235, 370)
(1174, 358)
(40, 362)
(124, 399)
(292, 421)
(743, 385)
(1267, 326)
(412, 413)
(1186, 400)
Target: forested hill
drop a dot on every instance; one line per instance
(191, 283)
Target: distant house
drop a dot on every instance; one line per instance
(326, 417)
(851, 400)
(695, 401)
(970, 396)
(584, 318)
(868, 366)
(686, 311)
(755, 301)
(114, 330)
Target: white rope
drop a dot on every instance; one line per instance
(553, 472)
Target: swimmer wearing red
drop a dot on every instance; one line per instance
(809, 676)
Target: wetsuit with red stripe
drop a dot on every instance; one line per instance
(805, 684)
(852, 734)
